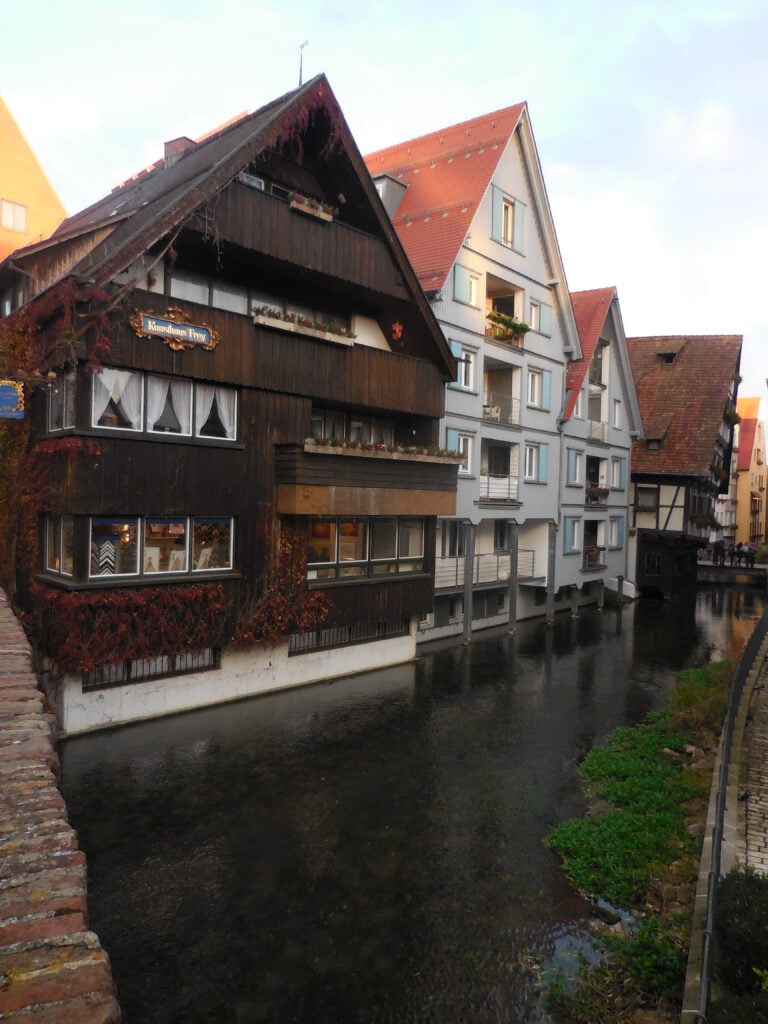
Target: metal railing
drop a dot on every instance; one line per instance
(593, 558)
(748, 659)
(486, 568)
(597, 430)
(498, 488)
(501, 408)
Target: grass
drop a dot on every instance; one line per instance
(647, 785)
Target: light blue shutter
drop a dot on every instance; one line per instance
(620, 533)
(457, 353)
(545, 319)
(571, 471)
(452, 440)
(461, 284)
(543, 449)
(568, 536)
(517, 227)
(497, 214)
(546, 388)
(623, 475)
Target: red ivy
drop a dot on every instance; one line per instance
(70, 447)
(82, 631)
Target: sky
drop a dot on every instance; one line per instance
(650, 117)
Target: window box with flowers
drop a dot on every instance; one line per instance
(326, 330)
(506, 328)
(312, 207)
(380, 450)
(596, 494)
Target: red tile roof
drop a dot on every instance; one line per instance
(682, 385)
(590, 308)
(749, 410)
(447, 173)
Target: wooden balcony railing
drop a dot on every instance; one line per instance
(486, 568)
(498, 488)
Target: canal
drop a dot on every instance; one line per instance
(369, 851)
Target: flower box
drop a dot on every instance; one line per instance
(400, 453)
(311, 207)
(292, 327)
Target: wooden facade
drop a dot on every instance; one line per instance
(235, 241)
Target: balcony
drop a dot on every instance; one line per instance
(593, 558)
(500, 408)
(597, 430)
(505, 336)
(595, 494)
(498, 488)
(489, 568)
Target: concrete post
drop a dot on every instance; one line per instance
(513, 539)
(574, 602)
(600, 595)
(469, 565)
(550, 610)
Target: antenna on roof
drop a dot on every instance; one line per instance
(301, 58)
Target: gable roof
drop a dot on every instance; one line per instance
(590, 311)
(23, 181)
(749, 411)
(447, 173)
(683, 385)
(104, 239)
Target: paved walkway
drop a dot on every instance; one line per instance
(752, 841)
(52, 968)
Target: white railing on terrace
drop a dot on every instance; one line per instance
(498, 488)
(490, 568)
(501, 408)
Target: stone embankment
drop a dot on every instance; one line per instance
(52, 968)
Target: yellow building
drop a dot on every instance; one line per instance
(29, 208)
(750, 467)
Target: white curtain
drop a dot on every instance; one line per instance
(226, 399)
(103, 385)
(204, 396)
(130, 399)
(157, 392)
(180, 395)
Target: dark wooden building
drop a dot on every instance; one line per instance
(269, 396)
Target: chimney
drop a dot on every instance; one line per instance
(176, 148)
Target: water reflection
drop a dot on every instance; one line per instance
(370, 850)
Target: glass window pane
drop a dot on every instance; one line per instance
(67, 545)
(321, 543)
(165, 545)
(169, 405)
(231, 298)
(411, 538)
(113, 547)
(352, 540)
(118, 397)
(52, 545)
(189, 287)
(359, 429)
(318, 423)
(334, 424)
(383, 538)
(61, 404)
(383, 432)
(212, 543)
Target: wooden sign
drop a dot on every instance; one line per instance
(11, 400)
(175, 330)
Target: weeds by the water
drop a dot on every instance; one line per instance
(639, 852)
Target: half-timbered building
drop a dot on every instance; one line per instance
(266, 394)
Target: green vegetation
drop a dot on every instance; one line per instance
(741, 927)
(636, 849)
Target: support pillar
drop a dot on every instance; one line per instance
(469, 565)
(550, 610)
(600, 595)
(574, 602)
(512, 545)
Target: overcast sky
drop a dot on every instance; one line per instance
(650, 117)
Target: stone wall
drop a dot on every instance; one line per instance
(52, 969)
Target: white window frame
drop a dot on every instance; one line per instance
(574, 471)
(578, 409)
(616, 532)
(572, 542)
(465, 372)
(617, 413)
(13, 216)
(507, 220)
(539, 388)
(535, 462)
(540, 317)
(184, 566)
(619, 472)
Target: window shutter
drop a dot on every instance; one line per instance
(543, 448)
(497, 213)
(546, 388)
(452, 440)
(517, 228)
(623, 474)
(545, 319)
(568, 538)
(571, 471)
(620, 533)
(461, 284)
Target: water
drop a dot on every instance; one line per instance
(370, 851)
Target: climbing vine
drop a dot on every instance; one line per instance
(281, 604)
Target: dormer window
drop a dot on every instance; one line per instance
(667, 357)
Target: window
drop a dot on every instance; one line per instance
(452, 539)
(647, 497)
(59, 544)
(466, 285)
(616, 532)
(500, 535)
(539, 388)
(331, 637)
(578, 409)
(508, 218)
(376, 430)
(540, 318)
(616, 413)
(536, 463)
(61, 403)
(129, 400)
(364, 546)
(574, 474)
(571, 535)
(465, 358)
(619, 473)
(652, 564)
(13, 215)
(461, 443)
(190, 287)
(139, 669)
(151, 545)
